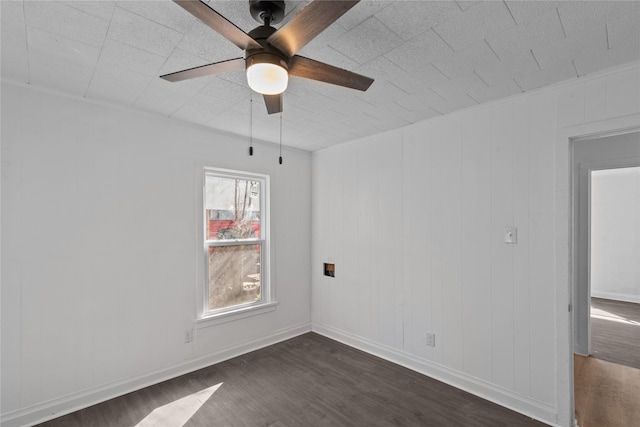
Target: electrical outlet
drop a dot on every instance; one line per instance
(511, 235)
(188, 336)
(431, 339)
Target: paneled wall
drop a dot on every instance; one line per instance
(414, 221)
(99, 249)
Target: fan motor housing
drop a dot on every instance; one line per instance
(272, 9)
(261, 33)
(267, 53)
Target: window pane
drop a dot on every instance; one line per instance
(232, 208)
(234, 275)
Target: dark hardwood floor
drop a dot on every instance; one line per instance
(309, 380)
(615, 331)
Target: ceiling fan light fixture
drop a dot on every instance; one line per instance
(270, 54)
(267, 74)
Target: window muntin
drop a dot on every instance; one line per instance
(235, 243)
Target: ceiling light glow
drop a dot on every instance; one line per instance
(267, 73)
(267, 78)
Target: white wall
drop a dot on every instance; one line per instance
(99, 249)
(615, 234)
(413, 220)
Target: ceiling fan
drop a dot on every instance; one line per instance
(269, 53)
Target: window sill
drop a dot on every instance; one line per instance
(231, 316)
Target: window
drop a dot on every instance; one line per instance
(235, 242)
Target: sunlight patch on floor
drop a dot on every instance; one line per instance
(177, 413)
(605, 315)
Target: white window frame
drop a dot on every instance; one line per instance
(207, 317)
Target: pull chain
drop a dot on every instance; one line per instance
(280, 159)
(250, 123)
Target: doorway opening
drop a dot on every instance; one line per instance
(606, 291)
(606, 227)
(614, 265)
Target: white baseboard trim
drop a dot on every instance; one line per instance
(64, 405)
(616, 296)
(530, 407)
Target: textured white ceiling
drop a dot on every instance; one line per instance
(428, 58)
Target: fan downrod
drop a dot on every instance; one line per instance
(267, 11)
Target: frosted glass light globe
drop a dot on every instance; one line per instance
(267, 78)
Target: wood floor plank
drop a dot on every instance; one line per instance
(615, 331)
(309, 380)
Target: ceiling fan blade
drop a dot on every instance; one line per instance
(316, 70)
(274, 103)
(219, 23)
(308, 23)
(205, 70)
